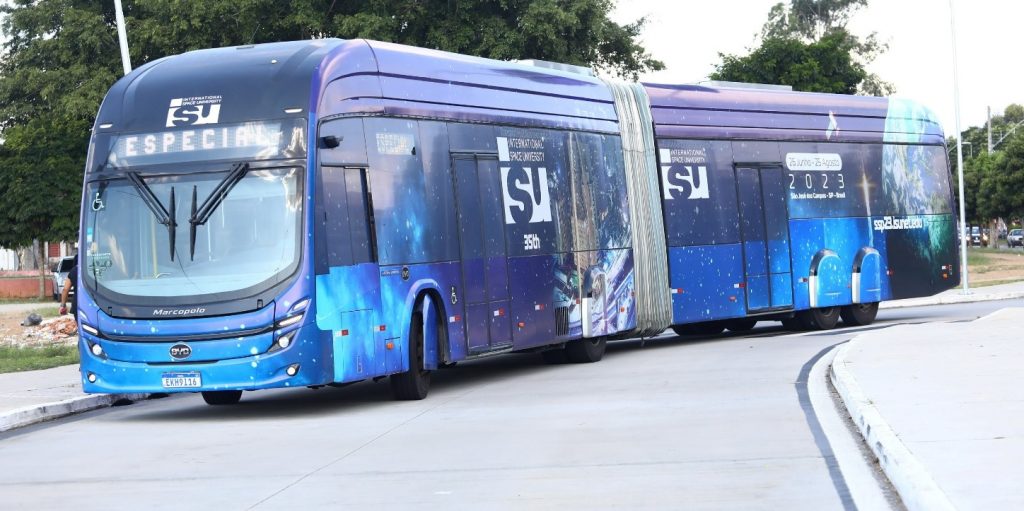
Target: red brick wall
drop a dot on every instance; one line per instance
(23, 287)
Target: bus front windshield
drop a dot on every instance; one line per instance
(216, 235)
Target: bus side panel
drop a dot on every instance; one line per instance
(347, 301)
(843, 236)
(531, 280)
(401, 287)
(705, 282)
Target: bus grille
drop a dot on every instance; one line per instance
(561, 321)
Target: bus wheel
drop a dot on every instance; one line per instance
(740, 325)
(413, 384)
(859, 314)
(222, 397)
(584, 351)
(824, 318)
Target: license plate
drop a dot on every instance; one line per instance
(187, 380)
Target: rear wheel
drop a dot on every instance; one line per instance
(585, 351)
(413, 384)
(222, 397)
(824, 318)
(859, 314)
(740, 325)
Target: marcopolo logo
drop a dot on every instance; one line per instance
(690, 181)
(179, 312)
(194, 111)
(527, 198)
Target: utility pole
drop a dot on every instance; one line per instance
(122, 37)
(990, 130)
(959, 157)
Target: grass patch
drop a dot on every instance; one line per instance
(48, 312)
(45, 299)
(977, 258)
(30, 359)
(992, 282)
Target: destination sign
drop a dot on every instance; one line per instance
(250, 140)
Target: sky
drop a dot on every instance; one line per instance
(688, 35)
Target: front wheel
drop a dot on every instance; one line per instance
(585, 351)
(222, 397)
(823, 318)
(859, 314)
(413, 384)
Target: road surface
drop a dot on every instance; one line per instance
(695, 423)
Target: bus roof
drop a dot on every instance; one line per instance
(350, 77)
(332, 77)
(376, 77)
(697, 111)
(248, 82)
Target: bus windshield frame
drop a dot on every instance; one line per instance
(250, 245)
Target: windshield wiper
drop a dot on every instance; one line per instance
(159, 211)
(201, 215)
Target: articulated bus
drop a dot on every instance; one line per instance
(325, 212)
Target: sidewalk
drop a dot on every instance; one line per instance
(30, 397)
(956, 295)
(942, 407)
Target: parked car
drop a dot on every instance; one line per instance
(60, 274)
(1015, 238)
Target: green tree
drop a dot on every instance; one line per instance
(61, 56)
(806, 45)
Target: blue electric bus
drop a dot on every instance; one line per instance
(324, 212)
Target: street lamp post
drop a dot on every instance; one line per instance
(122, 37)
(959, 157)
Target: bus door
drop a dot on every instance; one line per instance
(481, 220)
(764, 227)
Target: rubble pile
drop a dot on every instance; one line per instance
(61, 330)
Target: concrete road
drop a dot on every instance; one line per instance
(699, 423)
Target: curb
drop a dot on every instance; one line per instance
(34, 414)
(915, 485)
(951, 299)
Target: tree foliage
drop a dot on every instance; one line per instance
(805, 44)
(61, 56)
(993, 182)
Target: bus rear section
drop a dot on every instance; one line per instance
(804, 208)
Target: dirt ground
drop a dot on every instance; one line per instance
(53, 330)
(996, 266)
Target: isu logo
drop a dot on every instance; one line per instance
(526, 194)
(193, 111)
(688, 181)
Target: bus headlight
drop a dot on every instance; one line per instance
(96, 349)
(285, 340)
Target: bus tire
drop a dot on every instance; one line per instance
(822, 318)
(413, 384)
(740, 325)
(585, 351)
(222, 397)
(859, 314)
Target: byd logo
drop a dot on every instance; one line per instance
(526, 194)
(193, 111)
